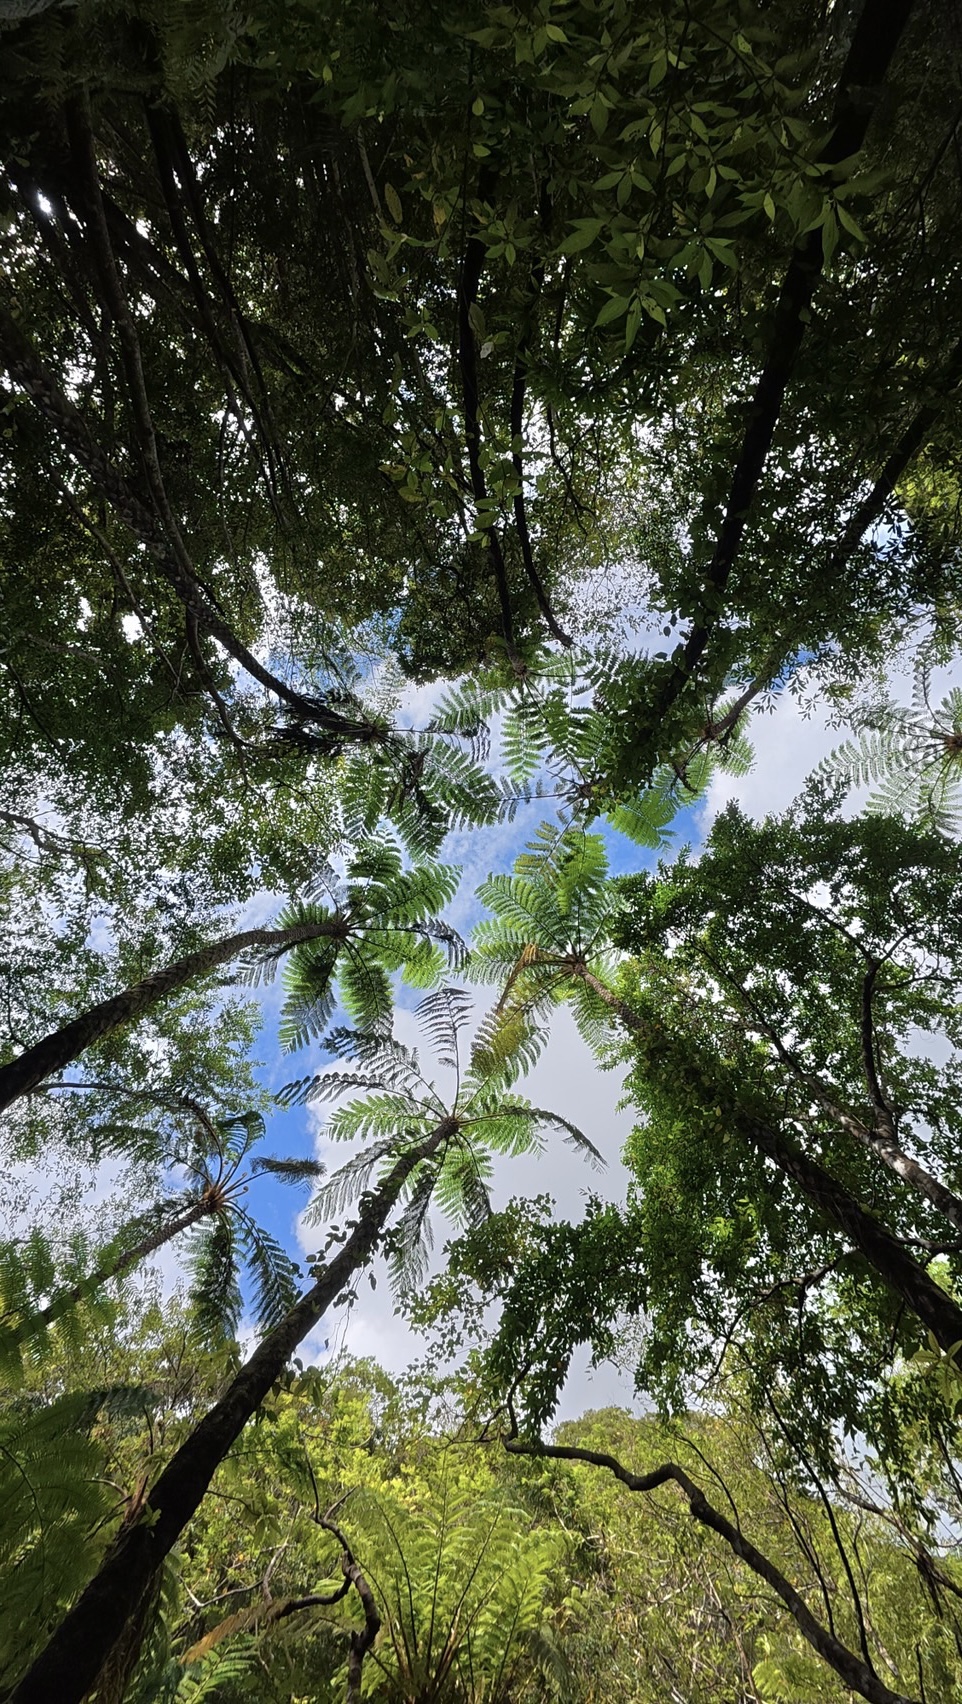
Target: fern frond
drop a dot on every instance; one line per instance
(508, 1044)
(275, 1276)
(574, 1137)
(289, 1171)
(411, 1238)
(347, 1182)
(461, 1188)
(214, 1289)
(328, 1085)
(376, 1116)
(442, 1016)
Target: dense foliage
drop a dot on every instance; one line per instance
(419, 423)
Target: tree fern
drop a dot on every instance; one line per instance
(401, 1106)
(221, 1234)
(911, 756)
(382, 918)
(551, 923)
(54, 1504)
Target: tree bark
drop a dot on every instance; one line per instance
(882, 1140)
(64, 1045)
(67, 1668)
(882, 1250)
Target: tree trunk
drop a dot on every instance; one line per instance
(64, 1045)
(67, 1299)
(67, 1668)
(877, 34)
(883, 1251)
(882, 1141)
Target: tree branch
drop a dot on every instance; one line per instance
(845, 1663)
(877, 35)
(468, 284)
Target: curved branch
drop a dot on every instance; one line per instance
(850, 1668)
(872, 506)
(362, 1641)
(882, 1250)
(882, 1140)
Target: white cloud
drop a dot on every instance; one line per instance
(789, 740)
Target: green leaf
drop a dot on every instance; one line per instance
(584, 234)
(613, 309)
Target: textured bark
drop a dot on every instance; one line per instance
(883, 1143)
(68, 1667)
(884, 1252)
(850, 1668)
(882, 1139)
(63, 1045)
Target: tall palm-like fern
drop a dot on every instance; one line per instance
(912, 756)
(229, 1242)
(550, 925)
(95, 1629)
(480, 1118)
(380, 919)
(224, 1236)
(562, 732)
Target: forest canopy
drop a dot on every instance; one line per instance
(440, 445)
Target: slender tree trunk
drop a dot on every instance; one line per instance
(64, 1045)
(877, 34)
(882, 1140)
(68, 1667)
(883, 1143)
(881, 1249)
(64, 1300)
